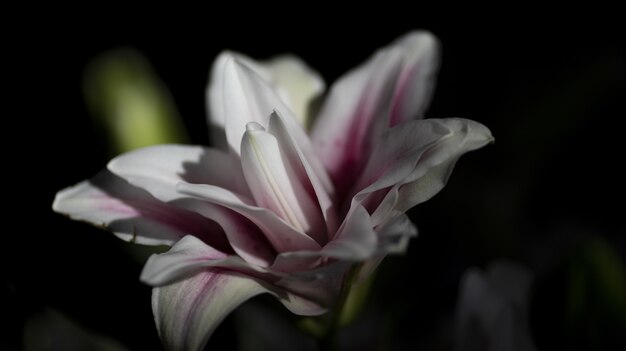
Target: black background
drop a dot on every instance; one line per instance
(550, 89)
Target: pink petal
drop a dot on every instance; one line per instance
(305, 172)
(279, 233)
(158, 169)
(133, 214)
(247, 239)
(394, 83)
(187, 312)
(190, 256)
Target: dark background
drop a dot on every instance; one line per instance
(551, 91)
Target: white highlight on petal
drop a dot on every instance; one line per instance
(262, 179)
(275, 184)
(294, 82)
(306, 174)
(159, 168)
(247, 97)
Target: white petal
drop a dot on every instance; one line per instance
(279, 233)
(247, 97)
(320, 285)
(291, 78)
(355, 110)
(296, 83)
(395, 82)
(159, 168)
(393, 239)
(305, 172)
(215, 102)
(187, 312)
(394, 236)
(416, 81)
(276, 183)
(414, 160)
(189, 256)
(248, 241)
(131, 213)
(355, 239)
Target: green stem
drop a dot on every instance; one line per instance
(328, 340)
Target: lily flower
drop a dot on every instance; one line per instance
(275, 208)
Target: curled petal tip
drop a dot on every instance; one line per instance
(485, 133)
(254, 126)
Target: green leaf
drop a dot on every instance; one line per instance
(131, 104)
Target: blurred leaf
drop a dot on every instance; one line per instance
(609, 278)
(596, 297)
(130, 102)
(577, 292)
(314, 326)
(355, 301)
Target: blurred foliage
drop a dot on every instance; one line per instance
(134, 108)
(130, 102)
(596, 295)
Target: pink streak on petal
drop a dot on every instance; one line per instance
(402, 89)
